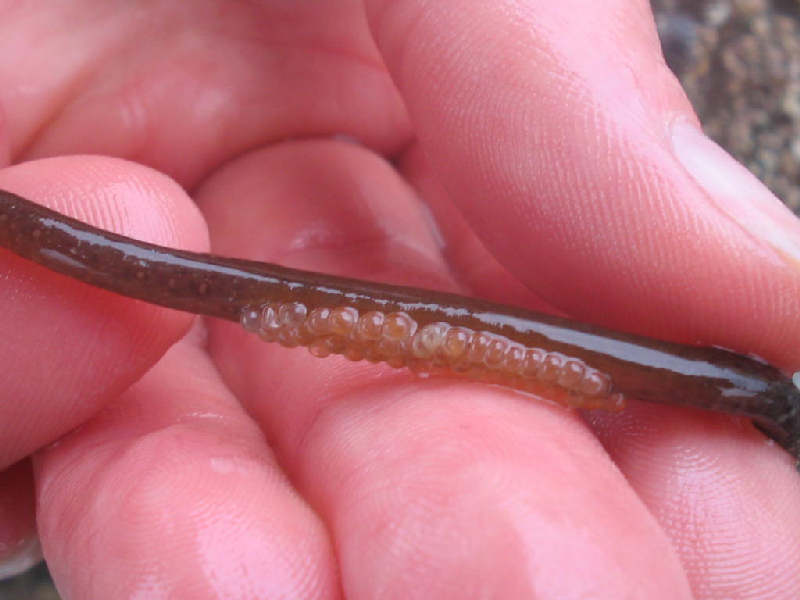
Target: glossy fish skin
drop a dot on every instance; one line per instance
(638, 367)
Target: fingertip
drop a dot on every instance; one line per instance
(736, 192)
(113, 194)
(173, 490)
(67, 347)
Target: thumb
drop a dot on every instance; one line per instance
(569, 146)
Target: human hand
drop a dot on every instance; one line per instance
(552, 146)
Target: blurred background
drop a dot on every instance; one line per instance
(739, 62)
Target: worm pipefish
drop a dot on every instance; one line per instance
(582, 365)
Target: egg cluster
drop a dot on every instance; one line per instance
(397, 339)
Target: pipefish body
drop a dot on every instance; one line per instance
(577, 364)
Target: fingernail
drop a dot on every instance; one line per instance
(735, 191)
(21, 558)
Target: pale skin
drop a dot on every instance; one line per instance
(542, 138)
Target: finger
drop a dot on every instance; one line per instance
(172, 492)
(720, 497)
(575, 155)
(471, 264)
(67, 348)
(19, 544)
(265, 71)
(429, 488)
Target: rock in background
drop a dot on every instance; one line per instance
(739, 62)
